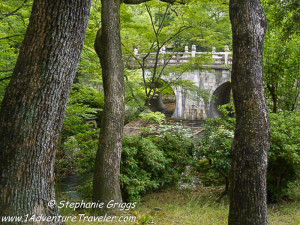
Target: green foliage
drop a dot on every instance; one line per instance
(78, 144)
(293, 190)
(281, 55)
(79, 137)
(140, 158)
(283, 15)
(135, 92)
(281, 66)
(155, 161)
(158, 160)
(153, 25)
(210, 25)
(156, 117)
(284, 156)
(178, 148)
(213, 150)
(89, 61)
(14, 18)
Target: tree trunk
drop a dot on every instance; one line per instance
(273, 94)
(106, 185)
(33, 108)
(248, 204)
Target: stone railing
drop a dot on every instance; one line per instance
(177, 58)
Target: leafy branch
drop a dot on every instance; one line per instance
(14, 11)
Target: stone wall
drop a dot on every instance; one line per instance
(190, 107)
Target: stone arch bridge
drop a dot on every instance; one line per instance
(214, 79)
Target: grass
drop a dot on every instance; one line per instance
(199, 207)
(185, 207)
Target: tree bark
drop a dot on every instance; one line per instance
(33, 108)
(272, 90)
(248, 204)
(106, 184)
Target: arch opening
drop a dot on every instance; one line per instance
(221, 96)
(165, 100)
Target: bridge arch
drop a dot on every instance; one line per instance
(215, 81)
(220, 96)
(164, 101)
(208, 78)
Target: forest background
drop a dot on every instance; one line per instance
(146, 157)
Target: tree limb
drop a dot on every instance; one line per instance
(6, 71)
(160, 27)
(135, 2)
(14, 11)
(152, 21)
(8, 37)
(130, 52)
(5, 78)
(131, 89)
(181, 29)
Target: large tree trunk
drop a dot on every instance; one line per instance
(248, 204)
(33, 108)
(106, 185)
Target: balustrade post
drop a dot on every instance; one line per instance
(193, 50)
(226, 54)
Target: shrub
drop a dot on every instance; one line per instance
(284, 156)
(156, 117)
(78, 141)
(213, 152)
(155, 161)
(178, 148)
(140, 159)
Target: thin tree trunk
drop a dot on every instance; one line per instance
(33, 108)
(248, 204)
(106, 185)
(273, 94)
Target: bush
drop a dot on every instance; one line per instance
(178, 148)
(78, 142)
(155, 161)
(79, 137)
(213, 152)
(156, 117)
(284, 156)
(140, 159)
